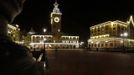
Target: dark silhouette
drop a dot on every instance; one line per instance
(56, 50)
(15, 59)
(41, 56)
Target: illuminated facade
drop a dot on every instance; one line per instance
(112, 34)
(38, 41)
(56, 39)
(14, 32)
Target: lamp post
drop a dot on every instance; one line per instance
(44, 51)
(124, 35)
(43, 57)
(44, 43)
(44, 30)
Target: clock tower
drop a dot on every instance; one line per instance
(56, 22)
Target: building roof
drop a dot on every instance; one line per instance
(131, 20)
(116, 21)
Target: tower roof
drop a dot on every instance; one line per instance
(131, 20)
(31, 31)
(56, 10)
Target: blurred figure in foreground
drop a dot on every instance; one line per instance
(15, 59)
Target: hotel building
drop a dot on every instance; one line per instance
(112, 34)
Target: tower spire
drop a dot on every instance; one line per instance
(131, 20)
(56, 10)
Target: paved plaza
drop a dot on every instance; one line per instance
(78, 62)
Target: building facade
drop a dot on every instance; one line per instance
(112, 34)
(39, 41)
(14, 32)
(56, 39)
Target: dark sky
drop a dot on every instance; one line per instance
(78, 15)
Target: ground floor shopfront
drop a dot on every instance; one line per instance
(110, 43)
(55, 45)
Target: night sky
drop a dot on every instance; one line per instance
(78, 15)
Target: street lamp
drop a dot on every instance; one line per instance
(44, 30)
(124, 35)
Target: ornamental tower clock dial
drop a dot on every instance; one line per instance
(56, 21)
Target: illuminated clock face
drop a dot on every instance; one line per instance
(57, 19)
